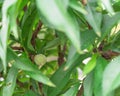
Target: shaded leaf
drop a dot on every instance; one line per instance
(72, 91)
(30, 93)
(86, 42)
(52, 43)
(88, 85)
(108, 23)
(64, 75)
(8, 89)
(98, 75)
(28, 23)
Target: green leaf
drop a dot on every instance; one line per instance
(86, 42)
(77, 6)
(10, 83)
(30, 93)
(88, 85)
(4, 31)
(52, 43)
(71, 82)
(109, 22)
(98, 75)
(108, 6)
(40, 77)
(116, 6)
(64, 21)
(25, 64)
(94, 19)
(64, 75)
(115, 45)
(28, 23)
(13, 13)
(90, 65)
(72, 91)
(111, 77)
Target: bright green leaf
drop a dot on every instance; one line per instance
(56, 16)
(90, 65)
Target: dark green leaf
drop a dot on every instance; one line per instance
(98, 75)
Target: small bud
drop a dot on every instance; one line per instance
(40, 60)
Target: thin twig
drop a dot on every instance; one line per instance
(36, 31)
(61, 54)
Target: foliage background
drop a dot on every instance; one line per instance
(44, 45)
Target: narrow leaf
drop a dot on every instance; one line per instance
(25, 64)
(94, 19)
(72, 91)
(108, 6)
(4, 30)
(98, 75)
(64, 21)
(8, 89)
(90, 65)
(88, 85)
(64, 75)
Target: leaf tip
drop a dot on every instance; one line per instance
(51, 84)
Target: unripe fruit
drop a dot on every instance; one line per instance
(40, 60)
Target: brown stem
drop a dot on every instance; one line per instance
(17, 48)
(80, 92)
(61, 54)
(40, 88)
(84, 2)
(36, 31)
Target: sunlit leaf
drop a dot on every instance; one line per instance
(4, 30)
(111, 77)
(77, 6)
(108, 6)
(90, 65)
(64, 22)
